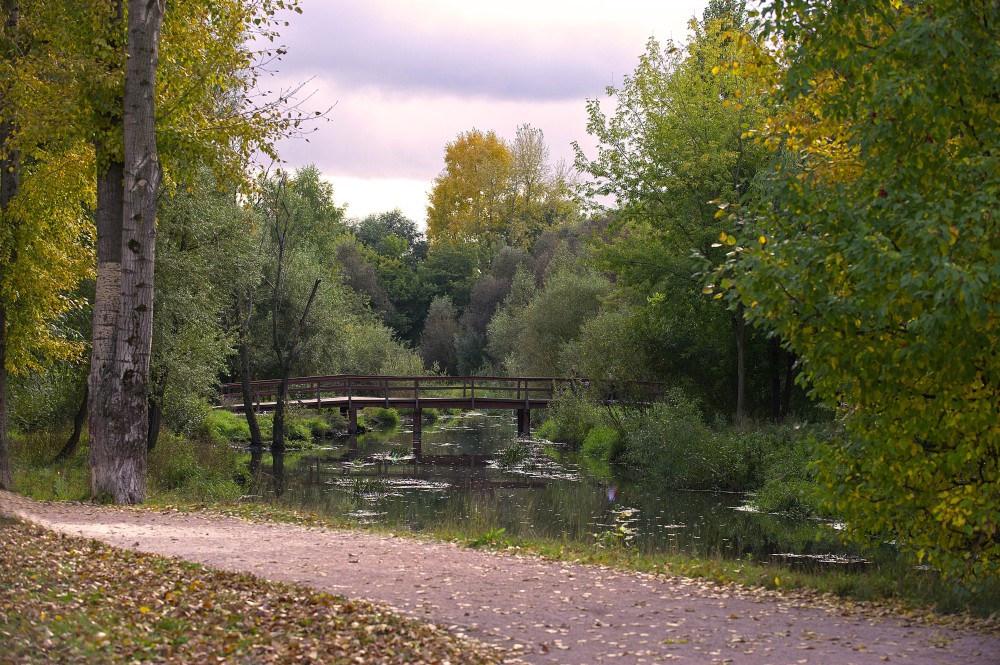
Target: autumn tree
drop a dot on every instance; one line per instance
(878, 265)
(46, 241)
(497, 192)
(468, 197)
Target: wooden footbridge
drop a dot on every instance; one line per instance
(350, 392)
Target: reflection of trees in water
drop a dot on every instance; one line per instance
(452, 487)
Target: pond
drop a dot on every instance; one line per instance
(474, 475)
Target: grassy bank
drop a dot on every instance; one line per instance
(69, 600)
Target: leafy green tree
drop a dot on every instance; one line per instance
(539, 339)
(677, 144)
(437, 343)
(879, 265)
(203, 246)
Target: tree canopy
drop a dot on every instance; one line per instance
(878, 261)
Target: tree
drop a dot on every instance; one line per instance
(468, 199)
(45, 235)
(205, 251)
(437, 343)
(118, 461)
(493, 191)
(676, 145)
(879, 267)
(288, 217)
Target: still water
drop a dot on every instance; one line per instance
(475, 475)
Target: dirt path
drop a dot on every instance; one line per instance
(557, 613)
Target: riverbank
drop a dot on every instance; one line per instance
(558, 612)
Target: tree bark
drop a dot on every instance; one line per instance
(10, 183)
(286, 355)
(102, 425)
(155, 416)
(121, 468)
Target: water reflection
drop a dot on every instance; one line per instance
(474, 473)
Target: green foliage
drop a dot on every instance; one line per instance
(183, 467)
(491, 538)
(879, 265)
(36, 475)
(670, 445)
(223, 427)
(601, 442)
(571, 418)
(437, 342)
(47, 399)
(381, 418)
(540, 337)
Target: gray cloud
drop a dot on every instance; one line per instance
(356, 44)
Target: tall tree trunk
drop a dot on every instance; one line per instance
(740, 333)
(121, 469)
(155, 416)
(10, 183)
(278, 424)
(102, 425)
(78, 420)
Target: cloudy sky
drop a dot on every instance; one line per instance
(404, 78)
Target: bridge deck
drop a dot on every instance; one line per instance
(411, 403)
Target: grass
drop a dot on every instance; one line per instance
(70, 600)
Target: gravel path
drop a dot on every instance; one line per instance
(549, 612)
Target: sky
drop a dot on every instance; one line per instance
(401, 79)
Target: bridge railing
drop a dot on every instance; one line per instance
(305, 389)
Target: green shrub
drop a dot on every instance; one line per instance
(429, 416)
(601, 442)
(199, 469)
(38, 476)
(669, 443)
(222, 426)
(381, 418)
(571, 417)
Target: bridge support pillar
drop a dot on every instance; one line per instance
(352, 421)
(417, 432)
(524, 422)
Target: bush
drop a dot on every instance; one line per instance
(571, 418)
(670, 443)
(194, 468)
(220, 426)
(601, 442)
(36, 475)
(381, 418)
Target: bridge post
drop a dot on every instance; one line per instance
(523, 422)
(417, 432)
(352, 420)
